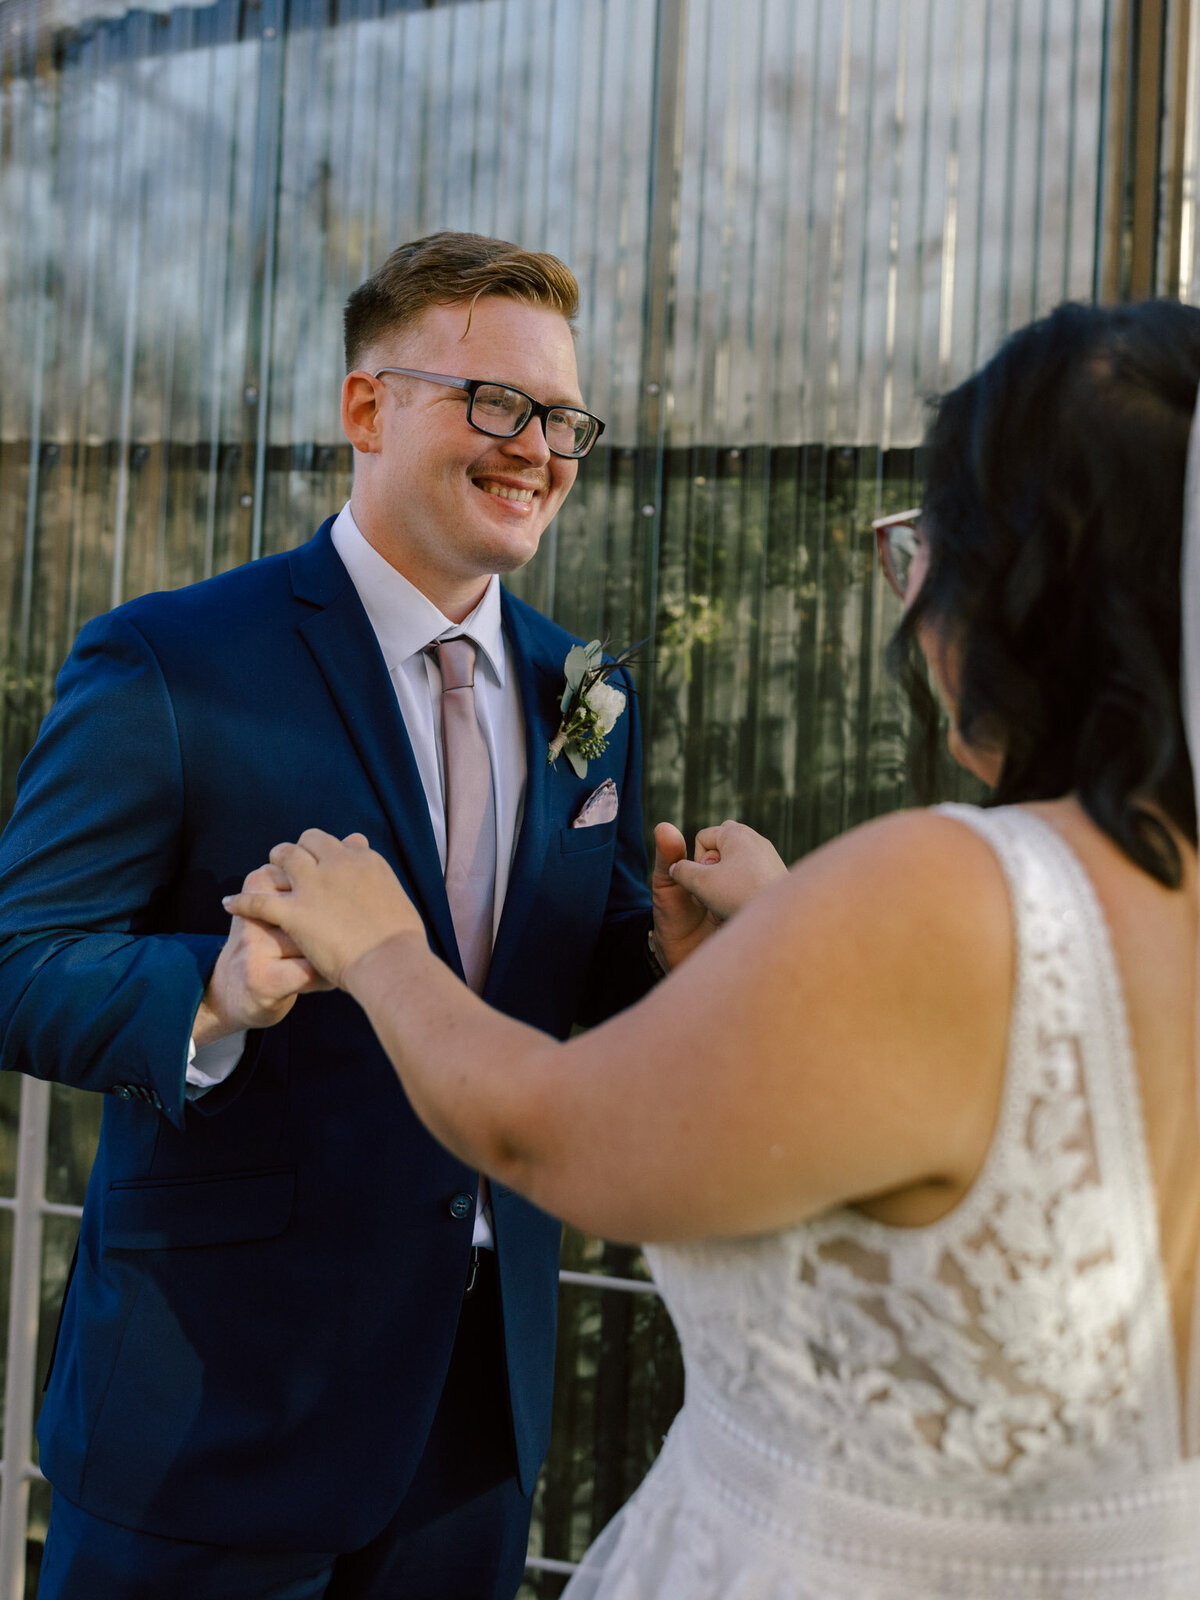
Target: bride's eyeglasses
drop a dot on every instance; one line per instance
(897, 539)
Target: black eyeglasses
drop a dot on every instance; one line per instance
(502, 411)
(897, 538)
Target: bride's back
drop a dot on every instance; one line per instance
(1154, 936)
(985, 1404)
(1153, 932)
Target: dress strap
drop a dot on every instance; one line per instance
(1070, 996)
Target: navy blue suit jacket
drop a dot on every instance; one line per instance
(268, 1279)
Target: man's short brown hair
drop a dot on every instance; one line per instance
(451, 269)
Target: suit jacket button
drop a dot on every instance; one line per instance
(122, 1091)
(462, 1206)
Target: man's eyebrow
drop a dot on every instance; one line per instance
(506, 383)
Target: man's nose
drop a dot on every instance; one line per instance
(530, 444)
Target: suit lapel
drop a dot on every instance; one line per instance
(540, 681)
(344, 646)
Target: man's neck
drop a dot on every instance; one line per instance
(454, 597)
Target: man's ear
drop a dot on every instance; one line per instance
(362, 420)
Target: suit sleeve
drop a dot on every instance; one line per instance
(91, 993)
(620, 972)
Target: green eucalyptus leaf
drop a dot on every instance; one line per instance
(578, 764)
(575, 666)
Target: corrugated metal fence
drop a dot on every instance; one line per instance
(792, 221)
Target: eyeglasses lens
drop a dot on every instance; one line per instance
(498, 410)
(504, 412)
(570, 432)
(901, 548)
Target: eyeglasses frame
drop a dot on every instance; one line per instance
(471, 386)
(882, 526)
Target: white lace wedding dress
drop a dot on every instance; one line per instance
(982, 1409)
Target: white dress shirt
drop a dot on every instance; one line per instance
(406, 622)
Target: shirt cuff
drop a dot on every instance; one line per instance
(210, 1064)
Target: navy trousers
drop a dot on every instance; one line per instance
(460, 1533)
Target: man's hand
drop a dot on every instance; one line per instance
(681, 922)
(732, 864)
(343, 901)
(258, 974)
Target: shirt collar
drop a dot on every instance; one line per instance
(406, 621)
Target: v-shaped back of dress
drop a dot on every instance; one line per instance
(986, 1406)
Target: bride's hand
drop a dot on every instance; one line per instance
(342, 901)
(736, 864)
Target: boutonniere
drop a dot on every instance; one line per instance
(590, 706)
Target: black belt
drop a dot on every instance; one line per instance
(479, 1255)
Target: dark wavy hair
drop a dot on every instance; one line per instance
(1053, 512)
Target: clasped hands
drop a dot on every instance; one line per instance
(301, 922)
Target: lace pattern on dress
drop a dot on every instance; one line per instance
(1022, 1342)
(981, 1409)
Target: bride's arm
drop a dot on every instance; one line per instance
(843, 1037)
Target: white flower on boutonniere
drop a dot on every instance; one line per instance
(590, 706)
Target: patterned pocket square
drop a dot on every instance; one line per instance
(600, 806)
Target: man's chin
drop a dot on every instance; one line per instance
(512, 561)
(506, 549)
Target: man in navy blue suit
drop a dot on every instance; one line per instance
(303, 1351)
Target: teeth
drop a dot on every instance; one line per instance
(502, 492)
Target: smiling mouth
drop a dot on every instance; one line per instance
(503, 492)
(516, 494)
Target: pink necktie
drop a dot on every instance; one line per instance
(470, 811)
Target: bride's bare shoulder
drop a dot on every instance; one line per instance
(927, 862)
(913, 904)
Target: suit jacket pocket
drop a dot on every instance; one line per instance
(169, 1214)
(573, 841)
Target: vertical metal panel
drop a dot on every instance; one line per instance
(19, 1386)
(792, 221)
(1189, 188)
(224, 71)
(925, 107)
(1147, 144)
(1177, 272)
(654, 381)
